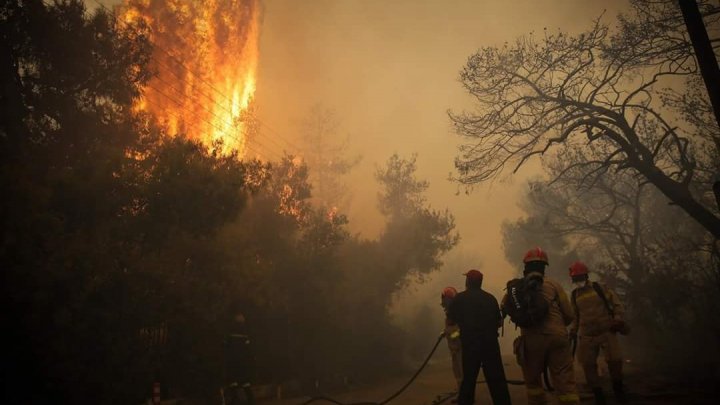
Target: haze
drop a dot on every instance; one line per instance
(156, 237)
(389, 69)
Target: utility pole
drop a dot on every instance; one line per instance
(706, 61)
(703, 52)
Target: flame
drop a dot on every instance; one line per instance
(291, 202)
(206, 59)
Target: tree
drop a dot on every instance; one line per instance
(704, 52)
(67, 139)
(417, 234)
(325, 152)
(604, 224)
(660, 262)
(535, 97)
(530, 231)
(177, 272)
(126, 249)
(411, 246)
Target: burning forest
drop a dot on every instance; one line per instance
(248, 201)
(204, 60)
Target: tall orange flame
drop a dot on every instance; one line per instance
(206, 58)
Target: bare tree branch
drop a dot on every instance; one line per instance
(535, 96)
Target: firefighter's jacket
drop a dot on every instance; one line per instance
(560, 313)
(595, 319)
(546, 346)
(452, 334)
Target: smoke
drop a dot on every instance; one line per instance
(317, 292)
(389, 70)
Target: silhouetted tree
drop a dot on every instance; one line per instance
(603, 89)
(659, 261)
(67, 136)
(325, 150)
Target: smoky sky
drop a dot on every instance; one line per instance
(389, 70)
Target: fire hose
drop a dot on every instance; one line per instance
(442, 398)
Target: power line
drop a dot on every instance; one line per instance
(221, 94)
(229, 122)
(204, 120)
(278, 134)
(271, 139)
(199, 77)
(187, 96)
(211, 99)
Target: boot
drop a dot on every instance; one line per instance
(249, 397)
(619, 390)
(599, 396)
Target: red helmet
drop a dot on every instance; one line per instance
(536, 255)
(474, 275)
(448, 292)
(578, 268)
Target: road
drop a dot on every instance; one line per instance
(437, 379)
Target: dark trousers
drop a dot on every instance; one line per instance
(483, 353)
(233, 394)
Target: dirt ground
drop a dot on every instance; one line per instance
(436, 383)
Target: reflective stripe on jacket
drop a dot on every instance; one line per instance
(594, 316)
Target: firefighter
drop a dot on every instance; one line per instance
(598, 319)
(477, 314)
(238, 362)
(452, 334)
(544, 344)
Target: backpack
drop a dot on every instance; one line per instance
(599, 291)
(525, 303)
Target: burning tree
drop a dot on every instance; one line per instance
(205, 59)
(600, 97)
(124, 249)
